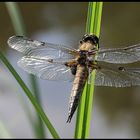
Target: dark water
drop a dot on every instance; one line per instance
(115, 110)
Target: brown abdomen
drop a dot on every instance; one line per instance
(77, 89)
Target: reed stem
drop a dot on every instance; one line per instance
(85, 109)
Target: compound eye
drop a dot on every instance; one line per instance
(96, 40)
(92, 38)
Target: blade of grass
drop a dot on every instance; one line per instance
(33, 100)
(39, 127)
(80, 111)
(16, 18)
(84, 117)
(98, 19)
(94, 28)
(19, 28)
(80, 116)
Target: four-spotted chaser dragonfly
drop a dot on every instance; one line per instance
(58, 62)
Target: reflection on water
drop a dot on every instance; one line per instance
(116, 110)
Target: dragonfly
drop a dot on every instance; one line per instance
(59, 62)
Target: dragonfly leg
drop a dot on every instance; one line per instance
(93, 65)
(93, 52)
(73, 66)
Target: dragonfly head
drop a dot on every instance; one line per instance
(91, 38)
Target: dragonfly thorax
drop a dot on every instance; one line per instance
(88, 46)
(83, 57)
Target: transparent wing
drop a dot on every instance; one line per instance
(116, 76)
(46, 68)
(40, 49)
(120, 55)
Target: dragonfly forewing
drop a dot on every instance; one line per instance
(37, 48)
(124, 55)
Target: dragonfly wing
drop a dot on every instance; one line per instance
(120, 55)
(36, 48)
(46, 69)
(116, 76)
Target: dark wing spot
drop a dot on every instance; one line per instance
(121, 68)
(42, 43)
(50, 60)
(19, 36)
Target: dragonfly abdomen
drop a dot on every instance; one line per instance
(77, 89)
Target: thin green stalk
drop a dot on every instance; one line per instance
(33, 100)
(81, 108)
(89, 94)
(19, 28)
(80, 116)
(39, 127)
(85, 108)
(16, 18)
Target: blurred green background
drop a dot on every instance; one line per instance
(116, 111)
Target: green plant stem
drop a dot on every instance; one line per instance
(33, 100)
(81, 108)
(39, 127)
(19, 28)
(85, 109)
(90, 87)
(16, 18)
